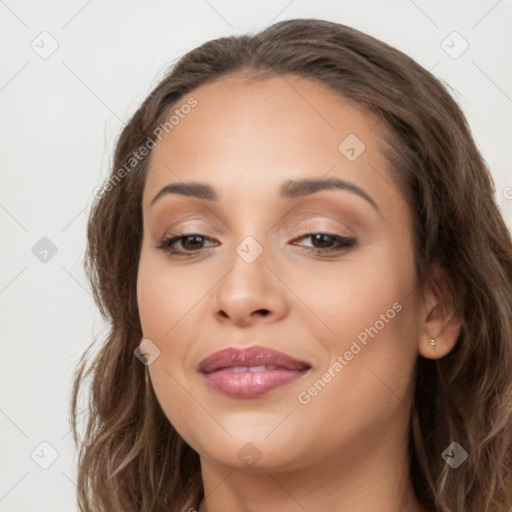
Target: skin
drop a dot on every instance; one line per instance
(346, 449)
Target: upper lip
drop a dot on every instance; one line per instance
(252, 356)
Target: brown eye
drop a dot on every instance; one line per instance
(190, 243)
(325, 242)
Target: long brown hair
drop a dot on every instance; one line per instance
(131, 459)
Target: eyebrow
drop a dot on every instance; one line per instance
(290, 189)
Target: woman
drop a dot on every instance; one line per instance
(309, 286)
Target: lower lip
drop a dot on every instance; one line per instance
(250, 384)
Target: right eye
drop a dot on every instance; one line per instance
(190, 242)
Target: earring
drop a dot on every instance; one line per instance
(432, 342)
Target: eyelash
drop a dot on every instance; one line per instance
(343, 243)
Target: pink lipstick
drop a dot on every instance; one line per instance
(251, 372)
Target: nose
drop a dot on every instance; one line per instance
(249, 293)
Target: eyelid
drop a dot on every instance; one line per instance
(347, 232)
(190, 230)
(318, 227)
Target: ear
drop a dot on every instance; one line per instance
(437, 321)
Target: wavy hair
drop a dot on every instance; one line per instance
(131, 459)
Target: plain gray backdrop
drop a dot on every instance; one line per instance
(71, 75)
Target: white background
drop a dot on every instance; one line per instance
(59, 120)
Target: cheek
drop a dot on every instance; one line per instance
(372, 316)
(348, 296)
(368, 379)
(166, 295)
(170, 302)
(163, 299)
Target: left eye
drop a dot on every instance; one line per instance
(324, 242)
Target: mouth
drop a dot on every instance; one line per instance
(251, 372)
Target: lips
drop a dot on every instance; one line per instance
(251, 372)
(251, 357)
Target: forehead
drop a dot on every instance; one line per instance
(253, 134)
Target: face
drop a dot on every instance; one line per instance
(322, 274)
